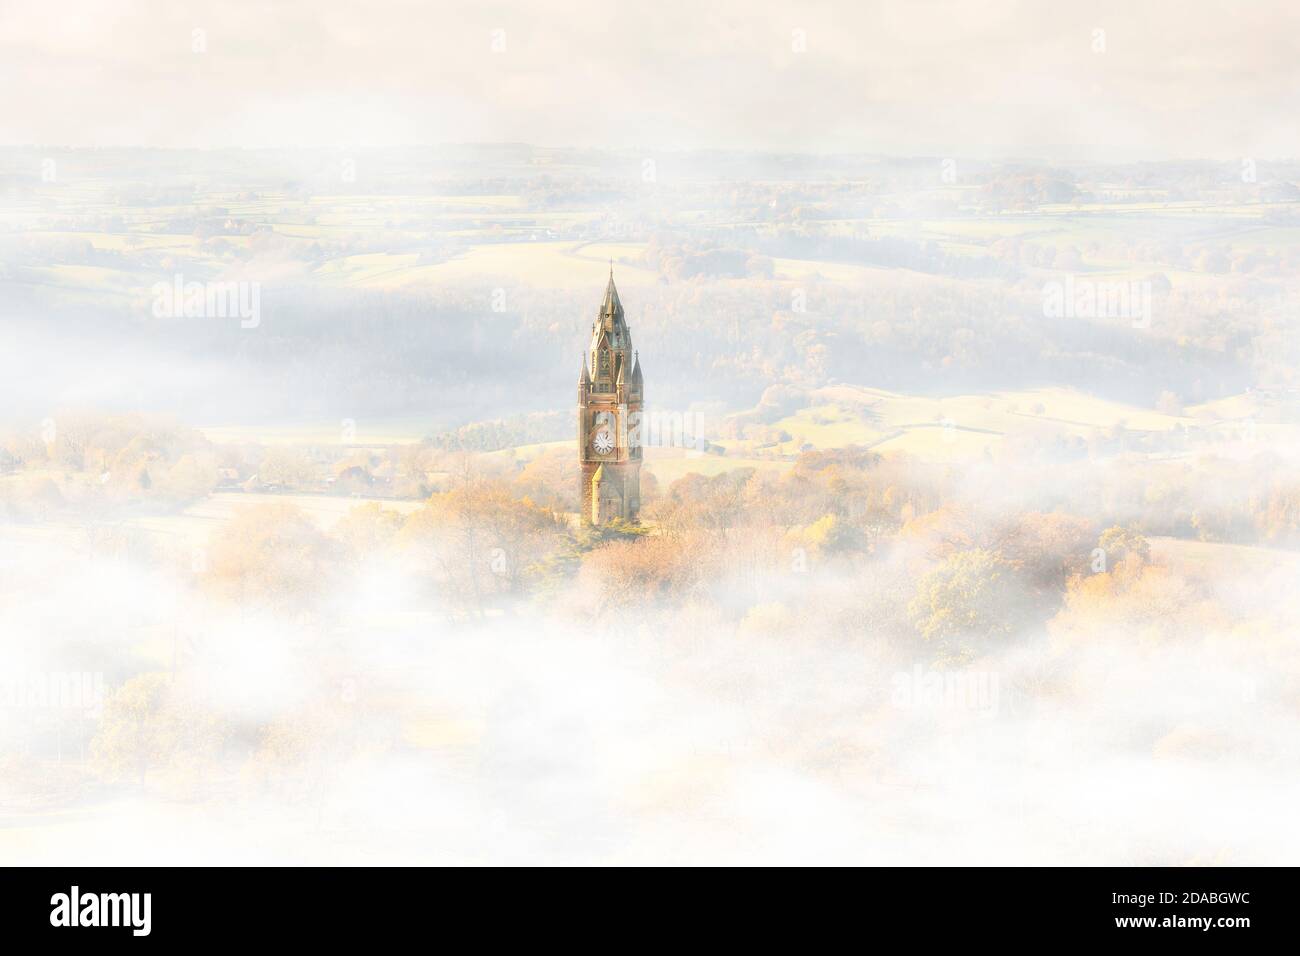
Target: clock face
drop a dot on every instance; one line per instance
(603, 443)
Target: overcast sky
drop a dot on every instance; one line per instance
(1167, 79)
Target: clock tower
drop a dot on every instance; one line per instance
(609, 418)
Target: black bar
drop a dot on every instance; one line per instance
(337, 907)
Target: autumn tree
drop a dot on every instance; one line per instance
(654, 571)
(368, 529)
(479, 542)
(272, 555)
(1046, 549)
(1124, 544)
(1141, 601)
(551, 480)
(970, 599)
(148, 724)
(830, 535)
(286, 465)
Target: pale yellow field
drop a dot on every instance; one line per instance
(960, 427)
(1004, 411)
(370, 269)
(936, 443)
(794, 270)
(1234, 407)
(529, 452)
(1209, 559)
(118, 241)
(549, 264)
(362, 433)
(326, 509)
(193, 527)
(668, 468)
(828, 426)
(952, 428)
(99, 278)
(624, 254)
(666, 464)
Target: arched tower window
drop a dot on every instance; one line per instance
(604, 364)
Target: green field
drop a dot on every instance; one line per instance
(964, 426)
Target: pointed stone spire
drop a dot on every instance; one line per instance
(611, 327)
(586, 376)
(611, 308)
(636, 370)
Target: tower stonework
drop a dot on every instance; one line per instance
(610, 395)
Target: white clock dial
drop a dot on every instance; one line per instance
(602, 443)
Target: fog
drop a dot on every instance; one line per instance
(969, 511)
(658, 740)
(1107, 80)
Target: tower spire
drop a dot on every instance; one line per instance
(611, 309)
(609, 415)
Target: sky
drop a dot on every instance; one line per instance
(1161, 79)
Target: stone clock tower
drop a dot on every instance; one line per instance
(609, 418)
